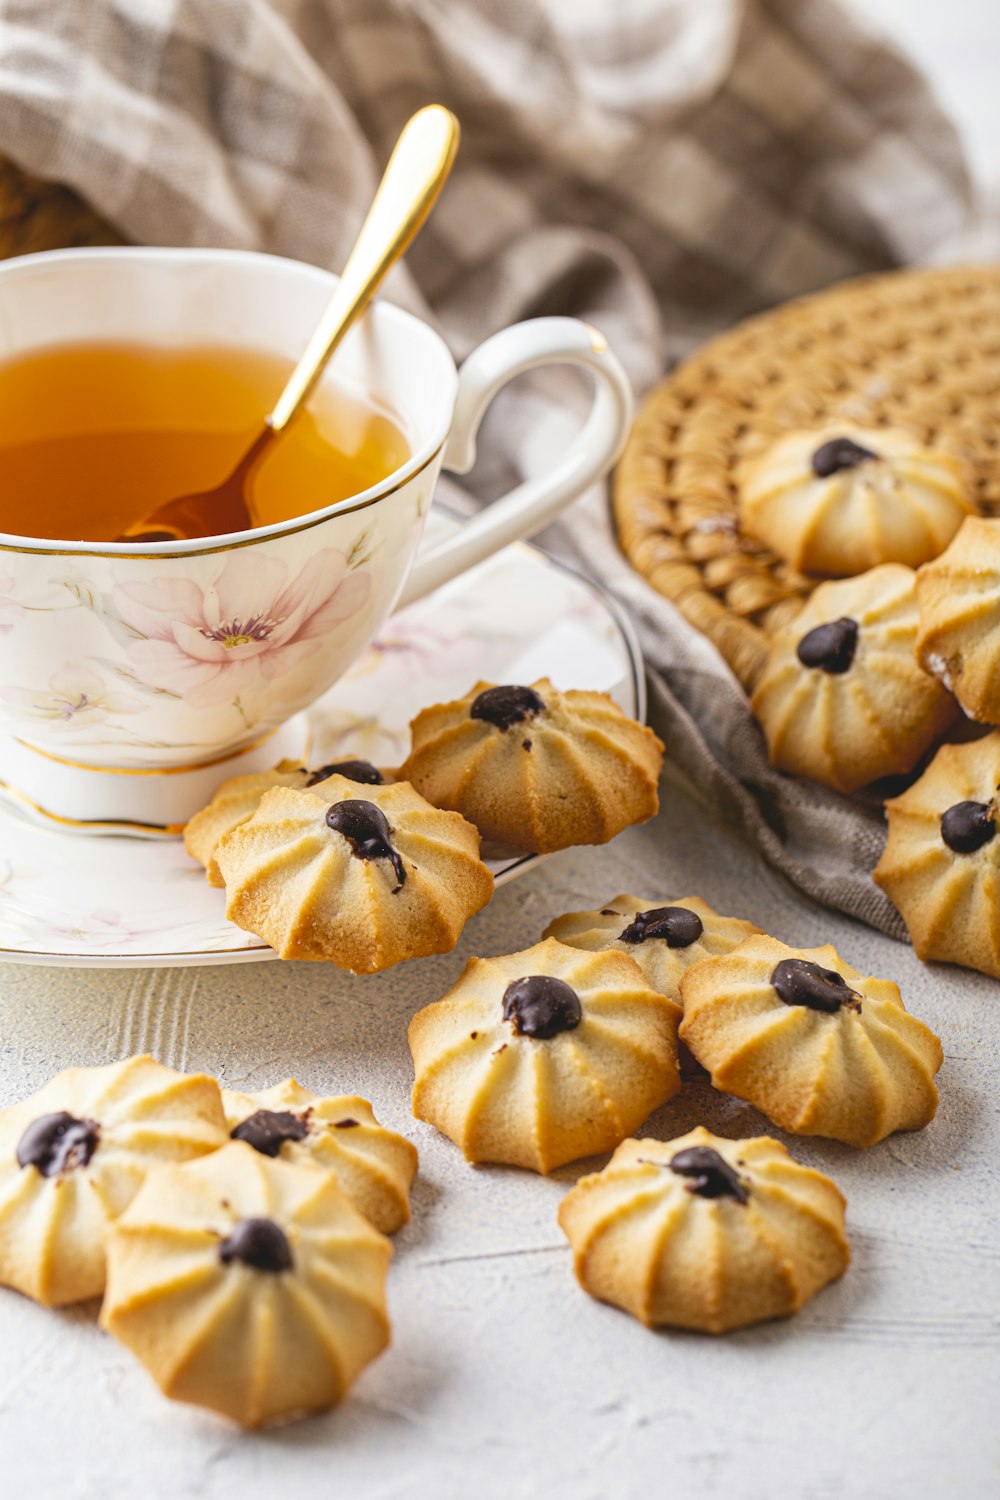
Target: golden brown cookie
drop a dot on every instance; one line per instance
(362, 876)
(705, 1233)
(247, 1285)
(959, 635)
(536, 768)
(239, 798)
(375, 1167)
(544, 1056)
(664, 937)
(941, 863)
(73, 1156)
(842, 499)
(842, 698)
(817, 1047)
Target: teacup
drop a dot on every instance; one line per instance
(134, 678)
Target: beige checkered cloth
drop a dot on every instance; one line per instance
(661, 167)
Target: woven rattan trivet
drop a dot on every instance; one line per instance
(913, 349)
(38, 215)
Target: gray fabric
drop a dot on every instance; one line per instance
(661, 167)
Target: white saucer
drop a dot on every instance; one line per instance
(102, 902)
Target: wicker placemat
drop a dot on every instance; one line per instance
(913, 349)
(39, 215)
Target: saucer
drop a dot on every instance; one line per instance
(112, 902)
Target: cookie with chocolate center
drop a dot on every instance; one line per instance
(842, 698)
(357, 875)
(248, 1285)
(534, 767)
(74, 1155)
(941, 863)
(844, 499)
(705, 1233)
(375, 1167)
(817, 1047)
(540, 1057)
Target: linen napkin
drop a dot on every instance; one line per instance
(660, 167)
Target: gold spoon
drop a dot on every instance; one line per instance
(413, 178)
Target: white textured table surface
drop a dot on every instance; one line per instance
(504, 1379)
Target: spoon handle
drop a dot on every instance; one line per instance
(412, 180)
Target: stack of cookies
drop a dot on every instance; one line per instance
(365, 868)
(238, 1242)
(814, 490)
(843, 696)
(876, 670)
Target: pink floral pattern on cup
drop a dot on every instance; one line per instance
(77, 697)
(213, 643)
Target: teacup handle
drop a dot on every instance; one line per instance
(531, 505)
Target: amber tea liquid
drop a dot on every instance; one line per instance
(95, 436)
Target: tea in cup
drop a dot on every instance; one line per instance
(134, 677)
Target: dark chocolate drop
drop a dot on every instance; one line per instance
(967, 826)
(361, 771)
(675, 925)
(268, 1130)
(260, 1243)
(798, 981)
(366, 829)
(58, 1143)
(711, 1175)
(541, 1006)
(839, 453)
(346, 1124)
(506, 706)
(830, 647)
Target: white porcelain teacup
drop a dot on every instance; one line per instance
(133, 678)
